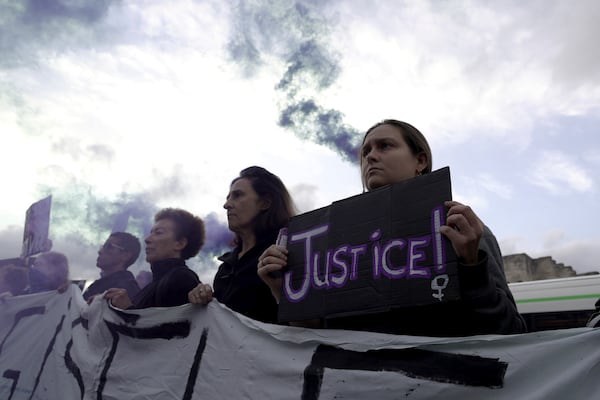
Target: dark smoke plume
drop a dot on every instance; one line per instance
(81, 221)
(310, 121)
(297, 33)
(312, 62)
(133, 213)
(79, 210)
(218, 236)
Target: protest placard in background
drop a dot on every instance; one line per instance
(37, 226)
(371, 252)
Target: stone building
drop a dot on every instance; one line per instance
(521, 267)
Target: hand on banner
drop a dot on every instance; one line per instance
(118, 298)
(273, 259)
(201, 294)
(464, 230)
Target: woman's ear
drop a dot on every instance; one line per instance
(180, 244)
(422, 161)
(264, 204)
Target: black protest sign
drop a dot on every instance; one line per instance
(372, 252)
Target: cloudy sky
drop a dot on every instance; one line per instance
(118, 108)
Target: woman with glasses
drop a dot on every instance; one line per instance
(258, 205)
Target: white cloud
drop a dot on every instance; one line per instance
(581, 254)
(304, 196)
(464, 69)
(11, 239)
(556, 171)
(496, 186)
(476, 200)
(493, 185)
(511, 245)
(481, 193)
(592, 156)
(554, 238)
(147, 100)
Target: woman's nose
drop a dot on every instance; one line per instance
(371, 155)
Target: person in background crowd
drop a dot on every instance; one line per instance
(14, 280)
(594, 321)
(50, 271)
(258, 205)
(120, 251)
(393, 151)
(177, 235)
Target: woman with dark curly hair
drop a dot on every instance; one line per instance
(258, 205)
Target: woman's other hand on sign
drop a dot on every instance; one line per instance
(270, 264)
(118, 298)
(464, 230)
(201, 294)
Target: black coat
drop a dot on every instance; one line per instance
(120, 279)
(171, 282)
(238, 286)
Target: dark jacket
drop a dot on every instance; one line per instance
(486, 305)
(120, 279)
(171, 282)
(594, 321)
(238, 286)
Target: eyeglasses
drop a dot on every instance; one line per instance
(109, 246)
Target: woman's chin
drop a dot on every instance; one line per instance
(376, 183)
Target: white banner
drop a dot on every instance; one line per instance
(55, 346)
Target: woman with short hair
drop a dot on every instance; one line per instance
(176, 236)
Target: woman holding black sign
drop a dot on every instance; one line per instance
(258, 205)
(393, 151)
